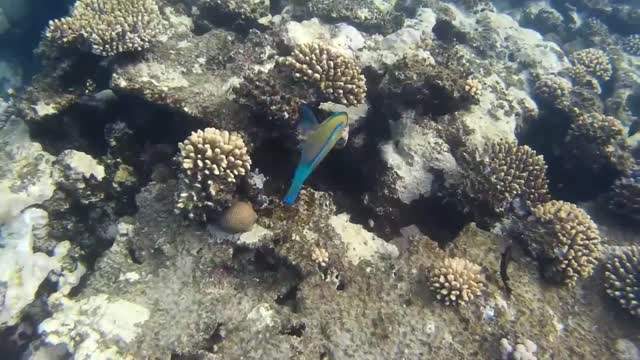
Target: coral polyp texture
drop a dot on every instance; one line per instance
(594, 62)
(211, 161)
(624, 198)
(553, 89)
(456, 281)
(631, 44)
(109, 27)
(599, 140)
(622, 278)
(564, 235)
(504, 172)
(337, 75)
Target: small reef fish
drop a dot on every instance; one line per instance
(320, 138)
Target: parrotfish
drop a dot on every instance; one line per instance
(320, 138)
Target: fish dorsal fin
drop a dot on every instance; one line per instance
(309, 121)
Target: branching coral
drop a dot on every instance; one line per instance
(594, 62)
(109, 27)
(456, 281)
(211, 160)
(338, 76)
(625, 196)
(599, 140)
(553, 89)
(565, 238)
(631, 44)
(505, 172)
(622, 279)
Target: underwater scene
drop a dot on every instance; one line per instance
(320, 179)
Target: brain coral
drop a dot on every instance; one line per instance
(565, 235)
(338, 76)
(456, 281)
(210, 160)
(622, 279)
(109, 27)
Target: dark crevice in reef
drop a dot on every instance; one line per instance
(213, 16)
(572, 181)
(296, 329)
(290, 299)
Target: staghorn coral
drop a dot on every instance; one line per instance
(594, 62)
(505, 172)
(210, 160)
(109, 27)
(456, 281)
(565, 238)
(622, 279)
(338, 76)
(599, 140)
(625, 196)
(631, 44)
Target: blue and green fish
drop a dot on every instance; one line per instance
(320, 138)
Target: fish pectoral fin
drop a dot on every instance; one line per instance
(309, 120)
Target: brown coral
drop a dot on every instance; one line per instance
(210, 160)
(109, 27)
(504, 172)
(622, 279)
(564, 235)
(338, 76)
(456, 281)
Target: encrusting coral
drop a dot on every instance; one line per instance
(456, 281)
(564, 235)
(504, 172)
(631, 44)
(211, 161)
(594, 62)
(338, 76)
(622, 279)
(109, 27)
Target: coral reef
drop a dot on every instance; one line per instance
(211, 161)
(505, 172)
(338, 76)
(110, 27)
(240, 217)
(367, 14)
(592, 62)
(622, 278)
(631, 44)
(456, 281)
(624, 198)
(563, 235)
(600, 141)
(524, 349)
(554, 90)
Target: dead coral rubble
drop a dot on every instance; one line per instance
(109, 27)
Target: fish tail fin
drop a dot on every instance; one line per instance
(301, 174)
